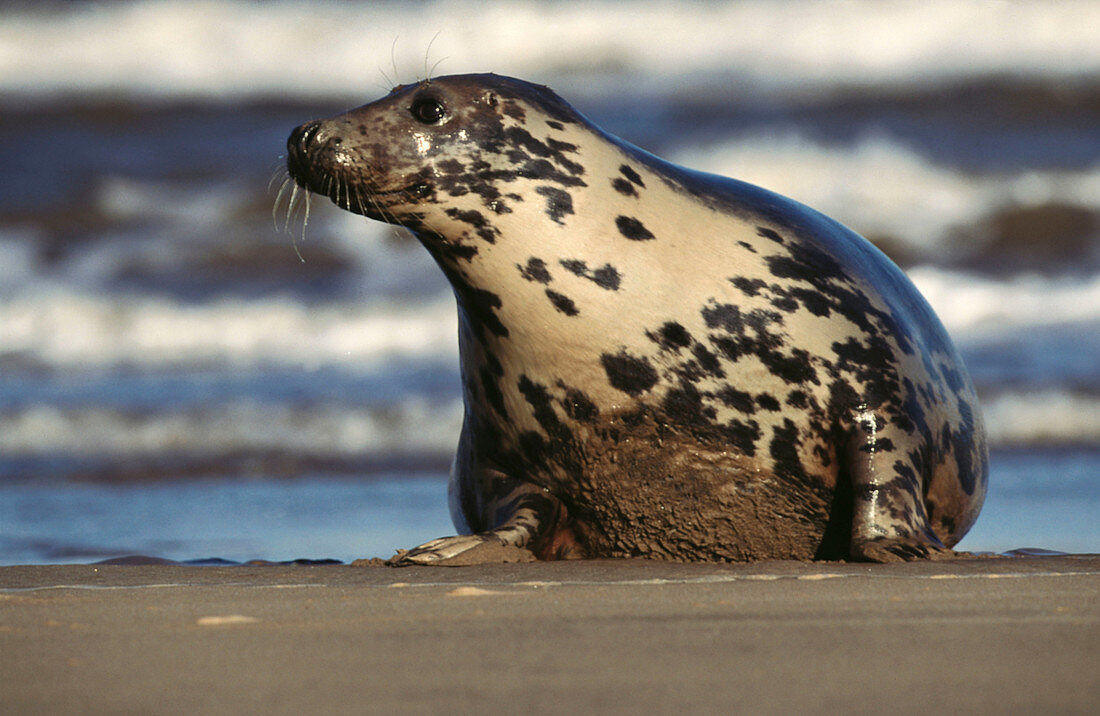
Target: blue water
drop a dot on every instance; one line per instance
(1044, 499)
(231, 519)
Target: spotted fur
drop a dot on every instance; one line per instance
(658, 362)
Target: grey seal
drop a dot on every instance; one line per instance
(657, 362)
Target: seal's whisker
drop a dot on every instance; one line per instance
(305, 222)
(427, 53)
(279, 200)
(359, 202)
(378, 208)
(387, 86)
(292, 204)
(341, 194)
(438, 62)
(280, 172)
(391, 82)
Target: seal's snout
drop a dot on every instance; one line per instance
(298, 147)
(301, 139)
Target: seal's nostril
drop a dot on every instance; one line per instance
(302, 137)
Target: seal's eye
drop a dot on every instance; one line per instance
(428, 110)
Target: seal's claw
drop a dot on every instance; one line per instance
(901, 550)
(460, 551)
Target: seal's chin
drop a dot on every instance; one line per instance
(388, 205)
(351, 195)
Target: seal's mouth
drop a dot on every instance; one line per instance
(306, 163)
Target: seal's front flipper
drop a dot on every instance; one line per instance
(461, 551)
(889, 519)
(530, 524)
(897, 549)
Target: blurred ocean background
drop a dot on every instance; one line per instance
(175, 382)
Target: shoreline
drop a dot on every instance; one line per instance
(993, 634)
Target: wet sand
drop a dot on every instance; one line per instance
(1018, 635)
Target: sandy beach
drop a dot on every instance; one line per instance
(995, 635)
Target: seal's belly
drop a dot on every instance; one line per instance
(669, 496)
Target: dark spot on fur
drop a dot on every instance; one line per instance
(795, 368)
(574, 266)
(451, 166)
(480, 307)
(552, 151)
(759, 319)
(558, 202)
(633, 229)
(559, 146)
(708, 361)
(769, 234)
(539, 399)
(872, 363)
(725, 316)
(482, 227)
(953, 377)
(463, 252)
(767, 402)
(784, 451)
(785, 303)
(814, 301)
(742, 436)
(737, 399)
(728, 347)
(685, 406)
(578, 406)
(971, 473)
(673, 336)
(632, 175)
(554, 125)
(535, 270)
(514, 110)
(564, 304)
(623, 187)
(490, 385)
(808, 264)
(606, 277)
(748, 286)
(627, 373)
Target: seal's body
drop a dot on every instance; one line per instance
(658, 362)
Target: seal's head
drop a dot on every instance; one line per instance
(445, 148)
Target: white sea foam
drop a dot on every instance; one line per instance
(1047, 417)
(414, 426)
(976, 307)
(66, 329)
(879, 187)
(327, 48)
